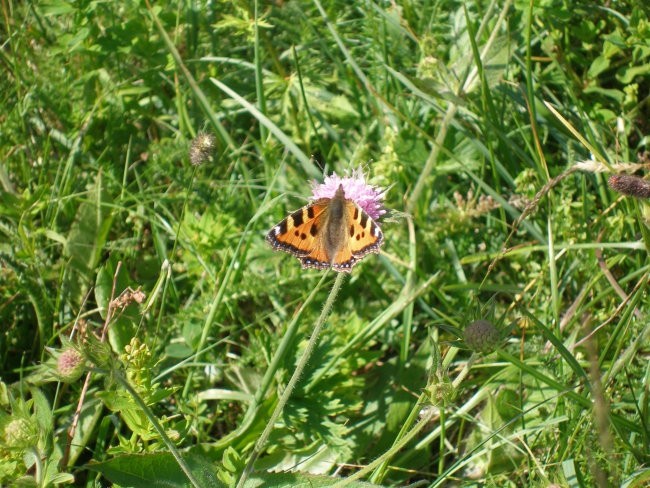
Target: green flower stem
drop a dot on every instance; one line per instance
(382, 461)
(396, 447)
(380, 471)
(117, 375)
(167, 282)
(259, 445)
(278, 357)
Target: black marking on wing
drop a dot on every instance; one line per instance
(297, 218)
(370, 226)
(364, 219)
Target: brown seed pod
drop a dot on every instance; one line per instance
(633, 186)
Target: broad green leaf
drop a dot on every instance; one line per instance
(155, 470)
(86, 239)
(57, 8)
(627, 75)
(91, 413)
(600, 64)
(298, 480)
(42, 410)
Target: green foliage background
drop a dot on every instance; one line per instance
(492, 126)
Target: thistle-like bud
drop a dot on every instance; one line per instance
(482, 336)
(630, 185)
(440, 390)
(202, 148)
(70, 365)
(18, 433)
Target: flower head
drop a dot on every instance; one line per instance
(70, 365)
(202, 148)
(18, 432)
(482, 336)
(631, 185)
(355, 187)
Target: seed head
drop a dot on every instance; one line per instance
(630, 185)
(440, 390)
(482, 336)
(202, 148)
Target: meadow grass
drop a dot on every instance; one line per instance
(150, 337)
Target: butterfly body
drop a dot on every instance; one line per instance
(330, 232)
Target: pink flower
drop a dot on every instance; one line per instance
(368, 197)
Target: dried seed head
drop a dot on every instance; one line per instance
(202, 148)
(633, 186)
(129, 296)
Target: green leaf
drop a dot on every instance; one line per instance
(334, 106)
(155, 470)
(56, 8)
(560, 348)
(231, 460)
(627, 75)
(178, 350)
(120, 402)
(572, 476)
(638, 479)
(86, 239)
(160, 470)
(600, 64)
(42, 410)
(298, 480)
(617, 95)
(61, 478)
(91, 413)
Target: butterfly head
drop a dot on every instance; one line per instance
(340, 192)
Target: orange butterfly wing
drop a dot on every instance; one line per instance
(303, 232)
(298, 233)
(363, 237)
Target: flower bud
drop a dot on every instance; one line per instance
(18, 433)
(440, 391)
(482, 336)
(70, 365)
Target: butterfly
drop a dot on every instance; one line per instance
(330, 232)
